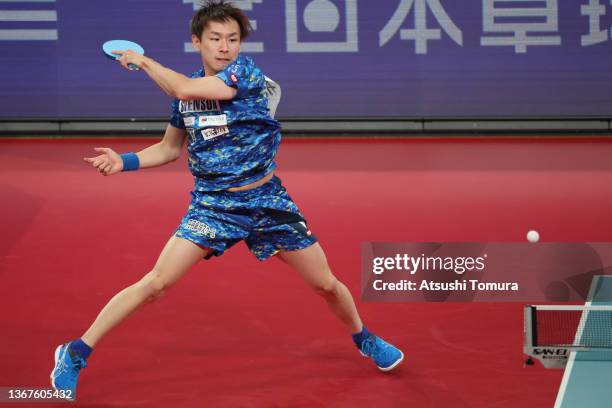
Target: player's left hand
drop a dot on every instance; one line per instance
(130, 59)
(107, 163)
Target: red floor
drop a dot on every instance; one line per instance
(240, 333)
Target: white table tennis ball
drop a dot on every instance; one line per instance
(533, 236)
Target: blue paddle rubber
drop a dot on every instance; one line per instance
(121, 45)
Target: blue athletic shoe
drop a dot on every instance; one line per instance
(66, 371)
(385, 355)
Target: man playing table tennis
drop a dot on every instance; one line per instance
(222, 111)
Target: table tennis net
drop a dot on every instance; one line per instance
(588, 327)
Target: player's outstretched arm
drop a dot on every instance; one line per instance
(108, 162)
(174, 84)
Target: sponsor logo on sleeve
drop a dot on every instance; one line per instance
(189, 121)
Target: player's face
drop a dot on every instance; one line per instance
(219, 45)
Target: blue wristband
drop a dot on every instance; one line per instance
(130, 161)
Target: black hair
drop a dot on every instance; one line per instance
(219, 11)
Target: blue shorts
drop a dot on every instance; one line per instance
(264, 217)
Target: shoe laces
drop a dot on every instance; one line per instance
(371, 347)
(368, 346)
(77, 364)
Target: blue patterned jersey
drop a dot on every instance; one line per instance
(231, 143)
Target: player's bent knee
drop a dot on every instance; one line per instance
(154, 286)
(157, 296)
(329, 287)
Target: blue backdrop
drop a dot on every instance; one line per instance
(340, 58)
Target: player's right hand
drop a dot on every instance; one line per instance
(130, 59)
(107, 163)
